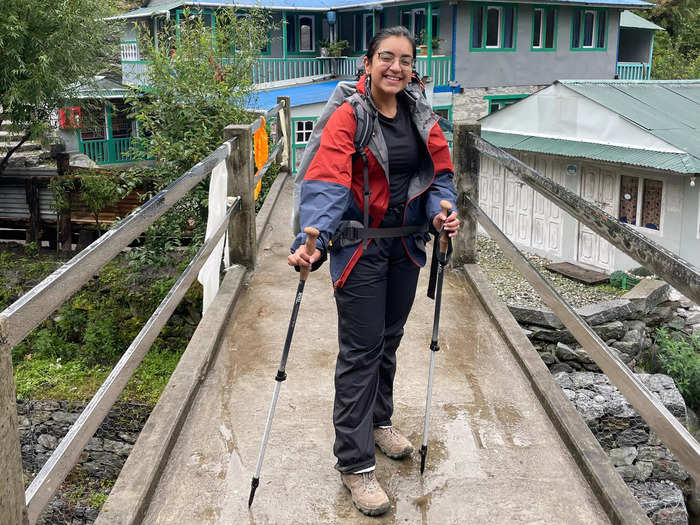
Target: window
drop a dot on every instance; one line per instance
(416, 20)
(244, 17)
(641, 198)
(589, 29)
(94, 124)
(497, 102)
(301, 33)
(544, 29)
(302, 131)
(493, 27)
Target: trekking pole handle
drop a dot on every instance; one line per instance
(446, 209)
(311, 236)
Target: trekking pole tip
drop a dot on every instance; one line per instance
(253, 485)
(423, 453)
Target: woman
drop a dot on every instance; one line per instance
(409, 172)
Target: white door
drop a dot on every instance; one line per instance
(599, 187)
(491, 189)
(546, 216)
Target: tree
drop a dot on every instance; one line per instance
(676, 50)
(47, 50)
(199, 81)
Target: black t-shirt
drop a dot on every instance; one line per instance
(404, 147)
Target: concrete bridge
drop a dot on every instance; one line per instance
(494, 454)
(505, 445)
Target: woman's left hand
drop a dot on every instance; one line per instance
(451, 223)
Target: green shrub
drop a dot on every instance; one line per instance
(679, 355)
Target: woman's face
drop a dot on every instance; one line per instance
(390, 66)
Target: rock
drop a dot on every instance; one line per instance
(644, 470)
(46, 405)
(612, 330)
(626, 347)
(591, 367)
(547, 358)
(693, 318)
(663, 502)
(604, 312)
(128, 437)
(65, 417)
(659, 315)
(696, 329)
(79, 160)
(561, 367)
(553, 336)
(648, 294)
(632, 437)
(669, 469)
(117, 447)
(623, 456)
(47, 441)
(94, 445)
(627, 472)
(536, 316)
(563, 380)
(565, 353)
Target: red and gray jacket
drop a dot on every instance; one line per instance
(332, 188)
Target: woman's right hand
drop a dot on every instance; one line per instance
(301, 258)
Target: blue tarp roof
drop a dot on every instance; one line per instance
(298, 95)
(158, 6)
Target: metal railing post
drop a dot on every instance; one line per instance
(466, 164)
(287, 133)
(12, 507)
(240, 168)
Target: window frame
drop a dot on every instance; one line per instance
(545, 9)
(505, 99)
(639, 210)
(413, 8)
(599, 13)
(293, 25)
(296, 144)
(484, 7)
(268, 44)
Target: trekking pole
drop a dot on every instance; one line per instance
(442, 259)
(311, 235)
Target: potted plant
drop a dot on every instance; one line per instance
(436, 44)
(336, 49)
(323, 47)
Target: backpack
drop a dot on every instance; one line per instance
(364, 116)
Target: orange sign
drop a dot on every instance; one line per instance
(260, 151)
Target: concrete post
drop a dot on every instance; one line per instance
(287, 154)
(12, 507)
(241, 171)
(466, 163)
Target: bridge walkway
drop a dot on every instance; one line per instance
(494, 454)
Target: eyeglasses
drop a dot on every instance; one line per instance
(387, 58)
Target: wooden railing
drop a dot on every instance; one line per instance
(107, 151)
(468, 147)
(633, 71)
(266, 70)
(25, 314)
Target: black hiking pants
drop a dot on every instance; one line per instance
(373, 306)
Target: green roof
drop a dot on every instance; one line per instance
(629, 19)
(661, 160)
(668, 109)
(149, 11)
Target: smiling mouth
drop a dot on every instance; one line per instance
(395, 79)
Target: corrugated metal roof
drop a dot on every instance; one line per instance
(678, 162)
(669, 110)
(298, 95)
(102, 87)
(325, 5)
(629, 19)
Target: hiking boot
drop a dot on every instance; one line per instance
(367, 494)
(392, 442)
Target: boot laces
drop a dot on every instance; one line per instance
(369, 481)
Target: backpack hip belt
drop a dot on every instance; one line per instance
(350, 233)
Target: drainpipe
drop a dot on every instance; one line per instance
(429, 37)
(651, 53)
(284, 35)
(454, 42)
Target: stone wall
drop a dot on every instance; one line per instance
(42, 426)
(627, 326)
(470, 104)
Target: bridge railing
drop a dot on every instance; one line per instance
(467, 148)
(25, 314)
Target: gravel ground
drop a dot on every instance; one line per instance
(512, 287)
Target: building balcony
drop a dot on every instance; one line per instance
(633, 71)
(269, 70)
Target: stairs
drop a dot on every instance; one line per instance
(29, 154)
